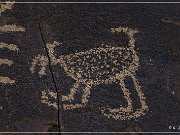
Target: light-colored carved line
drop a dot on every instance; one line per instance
(42, 61)
(85, 96)
(71, 106)
(6, 80)
(6, 6)
(72, 93)
(118, 115)
(45, 98)
(6, 62)
(130, 32)
(171, 21)
(51, 54)
(12, 28)
(11, 47)
(122, 113)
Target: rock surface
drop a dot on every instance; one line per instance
(34, 80)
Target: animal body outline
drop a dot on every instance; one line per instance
(84, 68)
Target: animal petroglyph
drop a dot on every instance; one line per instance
(3, 45)
(103, 65)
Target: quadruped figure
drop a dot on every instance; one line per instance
(103, 65)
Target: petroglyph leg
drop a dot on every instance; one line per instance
(86, 94)
(144, 108)
(84, 100)
(128, 113)
(72, 93)
(122, 112)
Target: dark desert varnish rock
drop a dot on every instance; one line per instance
(69, 67)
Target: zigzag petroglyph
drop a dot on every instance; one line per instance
(103, 65)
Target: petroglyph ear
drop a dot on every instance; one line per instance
(130, 33)
(51, 54)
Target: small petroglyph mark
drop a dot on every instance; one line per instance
(11, 28)
(6, 80)
(6, 62)
(11, 47)
(7, 6)
(171, 21)
(102, 65)
(46, 98)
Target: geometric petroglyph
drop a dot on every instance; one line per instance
(97, 66)
(46, 98)
(3, 45)
(5, 61)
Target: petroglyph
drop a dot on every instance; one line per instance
(46, 98)
(3, 45)
(171, 21)
(7, 6)
(6, 80)
(12, 28)
(103, 65)
(42, 61)
(11, 47)
(4, 61)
